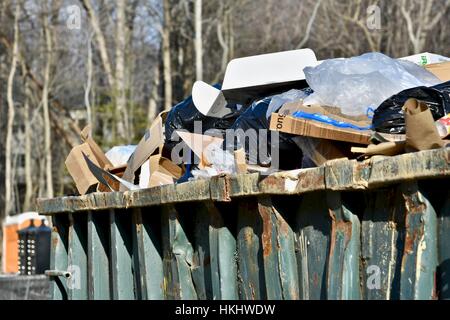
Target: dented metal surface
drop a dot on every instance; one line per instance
(349, 230)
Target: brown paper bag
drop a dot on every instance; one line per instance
(421, 132)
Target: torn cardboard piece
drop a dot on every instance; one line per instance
(314, 129)
(103, 161)
(254, 77)
(158, 171)
(440, 70)
(103, 176)
(240, 161)
(161, 171)
(198, 143)
(152, 141)
(77, 167)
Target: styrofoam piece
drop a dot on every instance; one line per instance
(209, 100)
(268, 68)
(255, 73)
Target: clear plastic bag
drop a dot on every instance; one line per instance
(289, 96)
(221, 161)
(119, 155)
(361, 83)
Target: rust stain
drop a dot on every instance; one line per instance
(267, 230)
(309, 181)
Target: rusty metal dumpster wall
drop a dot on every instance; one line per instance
(378, 229)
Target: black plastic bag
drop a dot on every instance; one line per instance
(257, 150)
(389, 117)
(185, 114)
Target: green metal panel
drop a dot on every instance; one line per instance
(418, 271)
(77, 257)
(148, 252)
(343, 269)
(98, 256)
(313, 241)
(444, 250)
(122, 284)
(250, 256)
(58, 258)
(278, 243)
(222, 246)
(382, 244)
(178, 257)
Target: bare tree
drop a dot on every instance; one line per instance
(45, 106)
(166, 56)
(198, 40)
(426, 19)
(121, 111)
(9, 191)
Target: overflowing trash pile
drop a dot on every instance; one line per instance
(281, 111)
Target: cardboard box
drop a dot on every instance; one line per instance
(161, 171)
(98, 153)
(425, 58)
(315, 129)
(84, 180)
(253, 77)
(198, 143)
(152, 141)
(440, 70)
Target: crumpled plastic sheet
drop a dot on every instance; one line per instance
(360, 84)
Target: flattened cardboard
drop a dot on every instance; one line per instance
(104, 176)
(239, 159)
(254, 77)
(102, 160)
(152, 140)
(440, 70)
(315, 129)
(78, 168)
(198, 144)
(163, 171)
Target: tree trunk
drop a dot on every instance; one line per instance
(101, 42)
(28, 163)
(9, 191)
(167, 73)
(87, 91)
(121, 112)
(152, 101)
(45, 107)
(198, 40)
